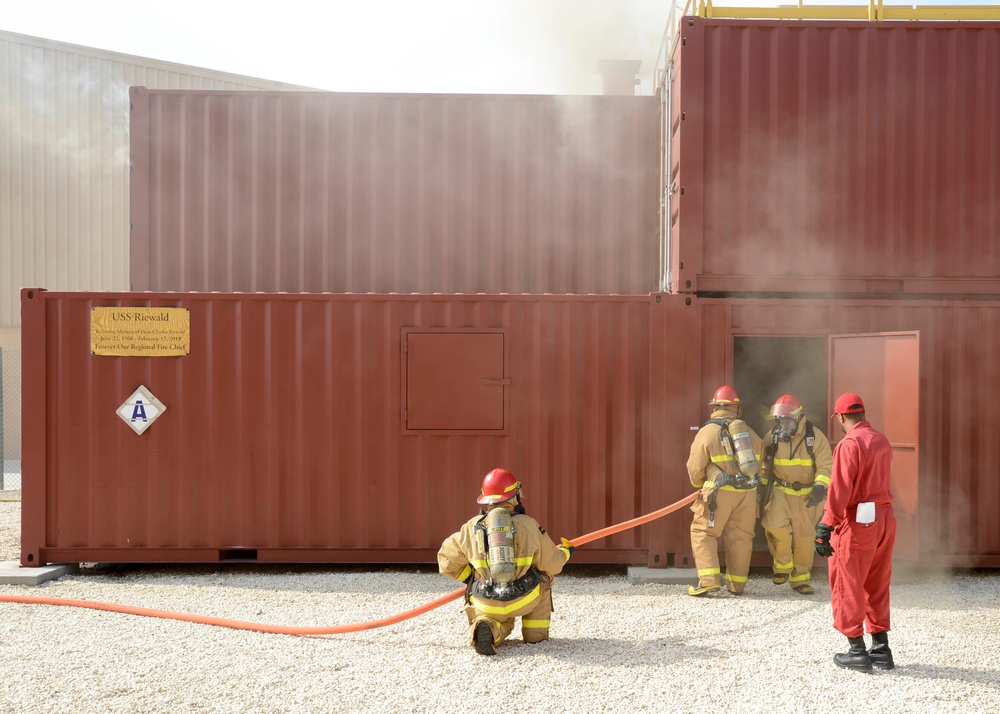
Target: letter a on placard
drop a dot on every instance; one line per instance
(141, 409)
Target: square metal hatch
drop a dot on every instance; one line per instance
(454, 381)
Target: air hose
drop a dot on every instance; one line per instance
(337, 629)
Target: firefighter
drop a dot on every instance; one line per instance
(857, 534)
(508, 563)
(795, 475)
(723, 466)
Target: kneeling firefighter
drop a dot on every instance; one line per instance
(723, 465)
(796, 475)
(508, 563)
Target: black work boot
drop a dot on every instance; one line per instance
(856, 657)
(484, 639)
(880, 653)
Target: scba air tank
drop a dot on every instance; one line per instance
(500, 541)
(746, 457)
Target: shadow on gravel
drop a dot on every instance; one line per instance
(321, 578)
(611, 650)
(986, 677)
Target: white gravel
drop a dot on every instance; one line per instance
(615, 647)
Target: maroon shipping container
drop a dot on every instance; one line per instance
(339, 428)
(357, 428)
(324, 192)
(927, 371)
(844, 158)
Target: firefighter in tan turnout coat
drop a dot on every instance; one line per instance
(723, 465)
(508, 563)
(795, 473)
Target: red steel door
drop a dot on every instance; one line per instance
(884, 368)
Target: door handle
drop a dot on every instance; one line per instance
(495, 380)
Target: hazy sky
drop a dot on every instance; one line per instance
(466, 46)
(476, 46)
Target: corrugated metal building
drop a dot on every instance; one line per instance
(64, 173)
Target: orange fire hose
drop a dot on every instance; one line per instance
(337, 629)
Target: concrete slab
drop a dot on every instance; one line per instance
(673, 576)
(12, 573)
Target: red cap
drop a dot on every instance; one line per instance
(849, 403)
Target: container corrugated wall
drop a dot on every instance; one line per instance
(836, 157)
(287, 432)
(64, 164)
(959, 414)
(290, 192)
(298, 427)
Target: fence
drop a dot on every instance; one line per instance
(10, 420)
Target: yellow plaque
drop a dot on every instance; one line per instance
(140, 331)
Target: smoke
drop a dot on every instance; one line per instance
(561, 41)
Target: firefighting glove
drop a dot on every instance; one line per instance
(817, 495)
(822, 545)
(568, 547)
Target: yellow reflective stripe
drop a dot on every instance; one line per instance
(783, 566)
(523, 560)
(479, 564)
(823, 481)
(466, 572)
(721, 458)
(709, 571)
(793, 462)
(764, 480)
(536, 624)
(794, 491)
(736, 578)
(798, 578)
(483, 606)
(564, 550)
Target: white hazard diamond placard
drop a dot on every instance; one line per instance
(141, 409)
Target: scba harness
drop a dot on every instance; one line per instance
(504, 592)
(740, 450)
(809, 440)
(494, 534)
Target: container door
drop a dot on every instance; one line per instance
(884, 369)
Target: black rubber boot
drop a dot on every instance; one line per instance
(483, 639)
(880, 653)
(856, 657)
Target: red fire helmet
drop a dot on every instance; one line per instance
(786, 406)
(724, 396)
(499, 485)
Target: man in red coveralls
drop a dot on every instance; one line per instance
(857, 532)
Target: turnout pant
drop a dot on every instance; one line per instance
(790, 527)
(735, 517)
(534, 609)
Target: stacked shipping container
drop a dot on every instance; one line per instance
(848, 168)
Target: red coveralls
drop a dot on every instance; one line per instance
(861, 565)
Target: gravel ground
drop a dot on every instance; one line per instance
(615, 647)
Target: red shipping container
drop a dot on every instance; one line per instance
(329, 192)
(310, 428)
(842, 158)
(333, 428)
